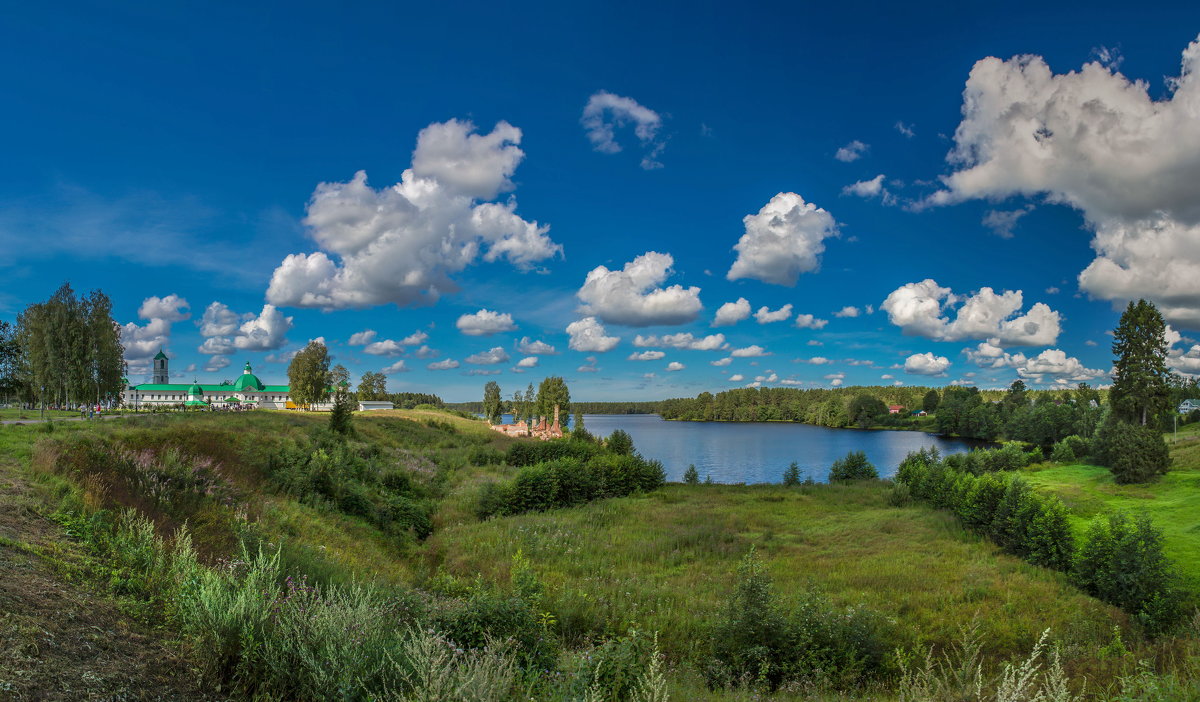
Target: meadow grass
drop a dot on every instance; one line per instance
(661, 562)
(1172, 502)
(7, 413)
(665, 562)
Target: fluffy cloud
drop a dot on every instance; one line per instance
(646, 356)
(362, 338)
(588, 334)
(528, 362)
(836, 379)
(605, 112)
(731, 313)
(482, 371)
(989, 354)
(815, 360)
(591, 366)
(1055, 365)
(767, 316)
(868, 188)
(171, 308)
(538, 348)
(397, 367)
(485, 323)
(386, 347)
(753, 351)
(851, 152)
(807, 321)
(786, 238)
(683, 340)
(143, 342)
(926, 364)
(720, 362)
(631, 295)
(847, 311)
(489, 357)
(736, 378)
(216, 363)
(1096, 141)
(401, 244)
(226, 330)
(448, 364)
(675, 366)
(918, 309)
(1181, 360)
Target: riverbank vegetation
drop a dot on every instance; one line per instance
(359, 564)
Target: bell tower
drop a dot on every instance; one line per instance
(161, 376)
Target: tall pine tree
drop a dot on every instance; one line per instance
(1139, 393)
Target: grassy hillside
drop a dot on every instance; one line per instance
(378, 536)
(1173, 502)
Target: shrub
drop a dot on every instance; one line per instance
(691, 476)
(619, 442)
(900, 495)
(756, 642)
(1134, 453)
(1121, 562)
(484, 456)
(1062, 453)
(854, 466)
(791, 476)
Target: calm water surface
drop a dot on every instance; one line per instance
(758, 452)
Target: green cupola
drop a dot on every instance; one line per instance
(248, 381)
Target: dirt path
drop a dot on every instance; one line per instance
(61, 640)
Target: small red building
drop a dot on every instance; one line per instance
(895, 409)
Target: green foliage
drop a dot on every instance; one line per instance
(1139, 393)
(570, 481)
(492, 404)
(308, 374)
(865, 410)
(372, 386)
(757, 644)
(1071, 448)
(691, 476)
(791, 476)
(619, 442)
(1134, 453)
(552, 392)
(854, 466)
(527, 453)
(1121, 562)
(931, 401)
(341, 417)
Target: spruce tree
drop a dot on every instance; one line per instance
(1139, 393)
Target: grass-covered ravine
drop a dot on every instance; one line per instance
(425, 557)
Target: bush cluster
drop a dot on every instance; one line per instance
(757, 643)
(527, 453)
(854, 466)
(1135, 453)
(569, 481)
(355, 480)
(1119, 561)
(1010, 456)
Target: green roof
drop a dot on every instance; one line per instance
(196, 403)
(209, 388)
(195, 389)
(160, 355)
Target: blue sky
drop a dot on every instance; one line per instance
(208, 154)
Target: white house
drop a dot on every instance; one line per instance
(1189, 405)
(368, 405)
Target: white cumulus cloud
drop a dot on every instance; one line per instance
(528, 362)
(675, 366)
(632, 295)
(537, 348)
(485, 323)
(588, 334)
(786, 238)
(852, 151)
(808, 321)
(767, 316)
(171, 308)
(920, 309)
(683, 340)
(753, 351)
(731, 313)
(646, 356)
(847, 311)
(448, 364)
(926, 364)
(1097, 141)
(402, 244)
(490, 357)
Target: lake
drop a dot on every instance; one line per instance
(758, 452)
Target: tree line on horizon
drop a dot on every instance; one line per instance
(64, 351)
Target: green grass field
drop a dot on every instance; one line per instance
(7, 413)
(1173, 502)
(662, 562)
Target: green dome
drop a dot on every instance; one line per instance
(195, 389)
(248, 381)
(161, 356)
